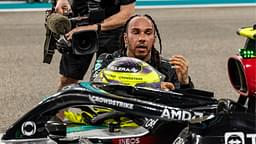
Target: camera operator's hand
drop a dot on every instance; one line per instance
(70, 33)
(63, 7)
(62, 45)
(80, 28)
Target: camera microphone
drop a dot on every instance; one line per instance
(58, 23)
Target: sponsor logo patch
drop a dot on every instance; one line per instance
(111, 102)
(239, 138)
(28, 128)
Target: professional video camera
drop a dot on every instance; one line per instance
(83, 42)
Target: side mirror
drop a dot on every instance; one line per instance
(56, 129)
(242, 75)
(237, 75)
(58, 133)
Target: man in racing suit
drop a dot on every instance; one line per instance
(73, 67)
(138, 41)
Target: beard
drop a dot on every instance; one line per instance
(143, 56)
(140, 52)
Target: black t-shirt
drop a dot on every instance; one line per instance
(111, 7)
(108, 40)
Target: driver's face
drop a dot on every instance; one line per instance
(140, 38)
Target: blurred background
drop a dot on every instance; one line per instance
(205, 33)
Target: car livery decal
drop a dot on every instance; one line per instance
(28, 128)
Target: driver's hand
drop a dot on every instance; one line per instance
(62, 7)
(167, 86)
(181, 66)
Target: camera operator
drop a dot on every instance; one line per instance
(73, 67)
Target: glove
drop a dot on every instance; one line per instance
(63, 45)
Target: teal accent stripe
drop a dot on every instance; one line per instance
(83, 128)
(24, 5)
(87, 85)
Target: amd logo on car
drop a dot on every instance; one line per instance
(239, 138)
(183, 115)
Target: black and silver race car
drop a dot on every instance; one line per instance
(188, 116)
(160, 115)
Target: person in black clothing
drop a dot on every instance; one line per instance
(138, 41)
(73, 67)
